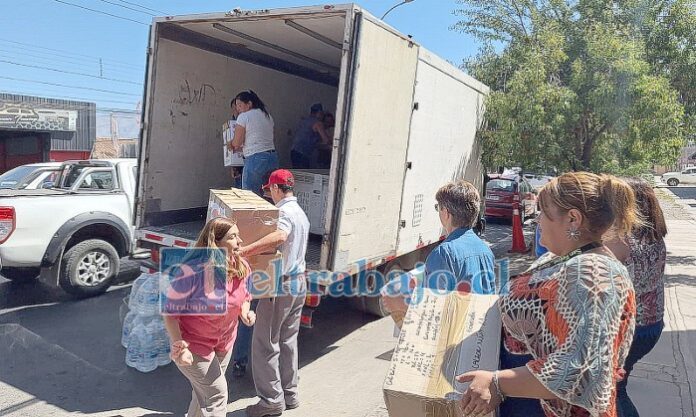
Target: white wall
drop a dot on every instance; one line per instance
(193, 89)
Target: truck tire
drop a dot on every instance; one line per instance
(89, 268)
(672, 182)
(20, 275)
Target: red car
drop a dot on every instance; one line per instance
(503, 190)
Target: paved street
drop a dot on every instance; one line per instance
(66, 358)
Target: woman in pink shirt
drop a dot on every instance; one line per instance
(202, 343)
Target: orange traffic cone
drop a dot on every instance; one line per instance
(518, 243)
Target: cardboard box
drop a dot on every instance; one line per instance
(266, 270)
(312, 192)
(442, 336)
(231, 159)
(255, 216)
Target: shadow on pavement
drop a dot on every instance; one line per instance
(69, 355)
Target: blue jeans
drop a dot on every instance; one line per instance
(257, 169)
(243, 342)
(644, 341)
(300, 161)
(518, 407)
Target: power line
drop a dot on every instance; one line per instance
(61, 53)
(69, 86)
(101, 12)
(82, 74)
(143, 7)
(126, 7)
(62, 97)
(39, 60)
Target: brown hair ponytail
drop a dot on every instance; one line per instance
(622, 202)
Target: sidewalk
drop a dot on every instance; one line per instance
(664, 382)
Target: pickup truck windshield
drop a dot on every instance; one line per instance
(501, 185)
(15, 175)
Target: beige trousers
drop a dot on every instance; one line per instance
(207, 377)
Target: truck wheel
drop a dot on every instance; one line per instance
(20, 275)
(88, 268)
(672, 182)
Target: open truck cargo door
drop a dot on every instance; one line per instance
(442, 146)
(366, 213)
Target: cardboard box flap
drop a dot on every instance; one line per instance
(255, 216)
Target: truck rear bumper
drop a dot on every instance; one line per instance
(21, 256)
(499, 212)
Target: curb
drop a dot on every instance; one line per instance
(678, 201)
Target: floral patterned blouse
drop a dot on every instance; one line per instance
(646, 265)
(576, 319)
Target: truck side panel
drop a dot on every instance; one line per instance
(380, 113)
(441, 147)
(192, 94)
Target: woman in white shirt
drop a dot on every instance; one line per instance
(253, 135)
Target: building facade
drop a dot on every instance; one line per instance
(36, 129)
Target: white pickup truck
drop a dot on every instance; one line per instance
(74, 234)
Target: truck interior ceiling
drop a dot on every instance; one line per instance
(291, 62)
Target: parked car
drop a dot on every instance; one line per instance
(30, 176)
(503, 190)
(537, 180)
(74, 234)
(687, 176)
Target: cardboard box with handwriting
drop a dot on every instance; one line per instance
(442, 336)
(255, 216)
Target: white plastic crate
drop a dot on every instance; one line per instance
(312, 192)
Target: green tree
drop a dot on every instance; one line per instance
(571, 86)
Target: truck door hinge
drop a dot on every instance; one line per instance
(402, 223)
(416, 106)
(409, 165)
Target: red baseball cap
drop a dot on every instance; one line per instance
(280, 177)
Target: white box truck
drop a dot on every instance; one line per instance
(406, 123)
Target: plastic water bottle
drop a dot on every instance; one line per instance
(128, 323)
(150, 349)
(135, 349)
(147, 298)
(163, 344)
(135, 288)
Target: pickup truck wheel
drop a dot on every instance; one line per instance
(672, 182)
(88, 268)
(20, 275)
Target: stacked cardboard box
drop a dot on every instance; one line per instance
(312, 192)
(442, 336)
(255, 219)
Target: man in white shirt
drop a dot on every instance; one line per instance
(274, 357)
